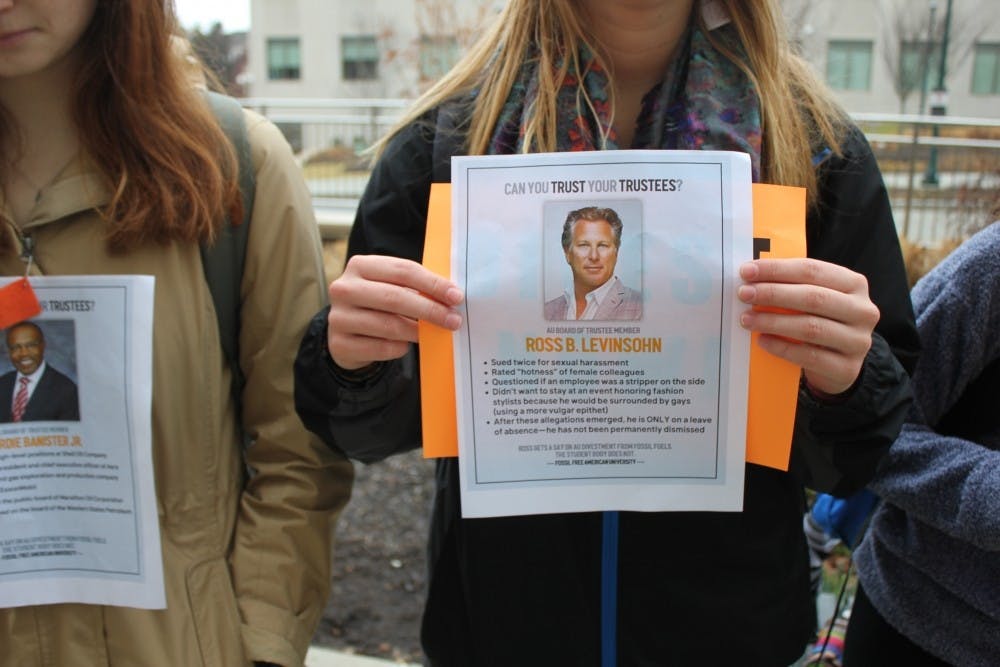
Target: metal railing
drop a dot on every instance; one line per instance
(329, 137)
(942, 173)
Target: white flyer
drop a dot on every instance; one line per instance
(78, 519)
(601, 365)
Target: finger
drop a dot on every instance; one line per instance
(392, 299)
(810, 329)
(405, 273)
(826, 370)
(357, 337)
(805, 271)
(819, 359)
(853, 309)
(368, 323)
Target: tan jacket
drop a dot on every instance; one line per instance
(246, 562)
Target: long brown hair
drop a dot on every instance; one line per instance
(171, 169)
(798, 112)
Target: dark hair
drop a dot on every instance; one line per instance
(25, 323)
(148, 129)
(591, 214)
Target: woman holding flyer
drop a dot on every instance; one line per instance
(557, 75)
(116, 163)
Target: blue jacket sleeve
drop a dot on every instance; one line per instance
(947, 476)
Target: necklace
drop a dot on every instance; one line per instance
(20, 173)
(27, 179)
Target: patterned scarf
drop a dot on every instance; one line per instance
(704, 102)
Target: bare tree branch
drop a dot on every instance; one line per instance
(906, 26)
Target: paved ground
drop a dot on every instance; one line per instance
(379, 562)
(322, 657)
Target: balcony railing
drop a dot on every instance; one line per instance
(942, 173)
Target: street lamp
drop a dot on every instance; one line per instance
(923, 64)
(939, 98)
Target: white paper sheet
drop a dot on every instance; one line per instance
(78, 519)
(559, 415)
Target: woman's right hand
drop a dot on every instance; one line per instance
(375, 305)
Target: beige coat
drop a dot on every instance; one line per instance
(246, 563)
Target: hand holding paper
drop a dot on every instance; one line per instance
(375, 305)
(827, 320)
(779, 217)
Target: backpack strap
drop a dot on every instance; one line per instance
(223, 260)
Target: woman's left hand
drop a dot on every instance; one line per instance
(828, 323)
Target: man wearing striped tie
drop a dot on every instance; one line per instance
(34, 391)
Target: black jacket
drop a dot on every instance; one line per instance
(54, 399)
(694, 588)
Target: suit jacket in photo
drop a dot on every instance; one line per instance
(621, 303)
(54, 399)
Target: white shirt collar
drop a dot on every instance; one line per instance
(714, 14)
(594, 300)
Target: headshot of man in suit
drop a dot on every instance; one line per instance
(34, 390)
(591, 238)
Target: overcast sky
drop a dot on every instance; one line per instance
(233, 14)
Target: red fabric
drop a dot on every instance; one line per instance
(17, 303)
(20, 401)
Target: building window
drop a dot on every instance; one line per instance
(849, 65)
(437, 55)
(284, 60)
(359, 56)
(915, 57)
(986, 70)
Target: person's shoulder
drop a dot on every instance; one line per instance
(853, 149)
(438, 130)
(985, 243)
(979, 254)
(57, 376)
(265, 139)
(555, 309)
(629, 292)
(406, 162)
(413, 141)
(974, 264)
(559, 299)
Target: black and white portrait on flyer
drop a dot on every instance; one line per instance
(78, 519)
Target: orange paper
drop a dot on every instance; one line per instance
(779, 215)
(437, 361)
(779, 230)
(17, 303)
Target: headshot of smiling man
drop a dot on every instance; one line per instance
(591, 239)
(34, 390)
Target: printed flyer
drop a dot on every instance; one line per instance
(601, 365)
(78, 520)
